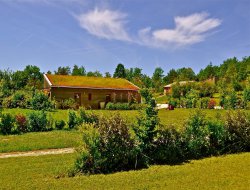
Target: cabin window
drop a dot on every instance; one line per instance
(89, 96)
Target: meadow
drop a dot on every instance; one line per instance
(72, 138)
(48, 172)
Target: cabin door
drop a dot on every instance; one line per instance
(108, 98)
(77, 97)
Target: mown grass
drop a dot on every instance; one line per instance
(72, 138)
(227, 172)
(40, 140)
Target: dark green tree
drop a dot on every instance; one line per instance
(157, 79)
(78, 71)
(63, 71)
(120, 71)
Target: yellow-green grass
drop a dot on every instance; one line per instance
(40, 140)
(91, 82)
(72, 138)
(227, 172)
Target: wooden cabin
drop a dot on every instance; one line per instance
(90, 92)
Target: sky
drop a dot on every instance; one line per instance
(99, 34)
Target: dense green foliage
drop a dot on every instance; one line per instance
(109, 141)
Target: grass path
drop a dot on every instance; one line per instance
(38, 153)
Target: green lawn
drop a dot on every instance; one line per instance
(40, 140)
(64, 139)
(226, 172)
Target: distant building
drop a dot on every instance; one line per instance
(90, 91)
(168, 88)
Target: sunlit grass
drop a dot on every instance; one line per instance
(226, 172)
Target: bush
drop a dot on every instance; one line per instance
(19, 100)
(73, 120)
(41, 101)
(122, 106)
(60, 124)
(197, 135)
(37, 121)
(238, 126)
(7, 102)
(108, 147)
(169, 147)
(246, 98)
(217, 137)
(7, 123)
(66, 104)
(21, 122)
(87, 117)
(211, 104)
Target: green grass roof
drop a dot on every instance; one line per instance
(90, 82)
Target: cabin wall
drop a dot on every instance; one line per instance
(97, 96)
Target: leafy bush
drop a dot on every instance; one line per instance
(60, 124)
(197, 135)
(238, 126)
(21, 122)
(66, 104)
(19, 100)
(217, 137)
(7, 102)
(246, 98)
(73, 120)
(87, 117)
(41, 102)
(108, 147)
(211, 104)
(169, 147)
(7, 122)
(122, 106)
(37, 121)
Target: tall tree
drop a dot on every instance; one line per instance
(157, 78)
(63, 71)
(94, 74)
(78, 71)
(34, 75)
(120, 71)
(107, 75)
(170, 77)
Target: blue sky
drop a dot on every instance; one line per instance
(138, 33)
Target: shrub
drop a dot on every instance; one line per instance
(19, 100)
(7, 102)
(67, 104)
(41, 101)
(238, 126)
(37, 121)
(108, 147)
(122, 106)
(60, 124)
(7, 122)
(211, 104)
(73, 120)
(87, 117)
(232, 100)
(197, 135)
(246, 98)
(146, 128)
(169, 147)
(217, 137)
(21, 122)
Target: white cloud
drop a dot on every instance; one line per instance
(188, 30)
(105, 24)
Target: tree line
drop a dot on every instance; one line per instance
(231, 73)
